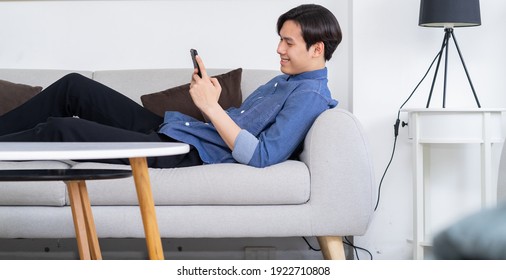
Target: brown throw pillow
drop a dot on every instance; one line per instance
(178, 98)
(12, 95)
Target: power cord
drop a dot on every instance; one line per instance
(346, 242)
(398, 123)
(356, 248)
(310, 247)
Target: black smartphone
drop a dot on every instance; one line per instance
(193, 53)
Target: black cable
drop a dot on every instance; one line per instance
(355, 247)
(384, 173)
(310, 247)
(396, 127)
(346, 242)
(349, 243)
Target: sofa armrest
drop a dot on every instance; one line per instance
(342, 176)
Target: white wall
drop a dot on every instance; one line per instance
(390, 55)
(97, 35)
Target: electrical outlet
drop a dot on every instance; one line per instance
(259, 253)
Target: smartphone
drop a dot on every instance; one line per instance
(193, 53)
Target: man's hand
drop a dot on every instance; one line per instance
(205, 93)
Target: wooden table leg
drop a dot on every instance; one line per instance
(90, 223)
(147, 207)
(79, 222)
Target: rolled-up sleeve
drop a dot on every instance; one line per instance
(244, 147)
(278, 141)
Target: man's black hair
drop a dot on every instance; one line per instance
(318, 24)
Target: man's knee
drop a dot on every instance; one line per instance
(73, 77)
(74, 81)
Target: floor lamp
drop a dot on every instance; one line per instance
(449, 14)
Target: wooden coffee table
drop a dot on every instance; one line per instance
(135, 152)
(75, 179)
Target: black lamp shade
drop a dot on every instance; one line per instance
(449, 13)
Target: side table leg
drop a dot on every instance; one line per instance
(79, 222)
(147, 207)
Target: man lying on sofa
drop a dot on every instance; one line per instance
(266, 129)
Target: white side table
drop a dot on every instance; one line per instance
(450, 126)
(135, 152)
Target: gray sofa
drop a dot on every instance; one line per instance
(329, 193)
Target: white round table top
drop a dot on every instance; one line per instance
(88, 150)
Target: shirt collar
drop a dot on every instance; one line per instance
(315, 74)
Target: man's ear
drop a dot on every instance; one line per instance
(318, 49)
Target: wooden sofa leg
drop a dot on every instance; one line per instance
(332, 247)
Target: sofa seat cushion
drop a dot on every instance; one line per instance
(217, 184)
(33, 193)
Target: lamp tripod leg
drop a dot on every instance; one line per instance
(448, 34)
(465, 69)
(443, 46)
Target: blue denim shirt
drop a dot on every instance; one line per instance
(274, 120)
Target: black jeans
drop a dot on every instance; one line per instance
(78, 109)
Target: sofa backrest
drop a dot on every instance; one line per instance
(37, 77)
(135, 83)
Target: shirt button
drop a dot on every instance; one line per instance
(187, 123)
(276, 84)
(242, 112)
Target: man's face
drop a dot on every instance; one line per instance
(295, 58)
